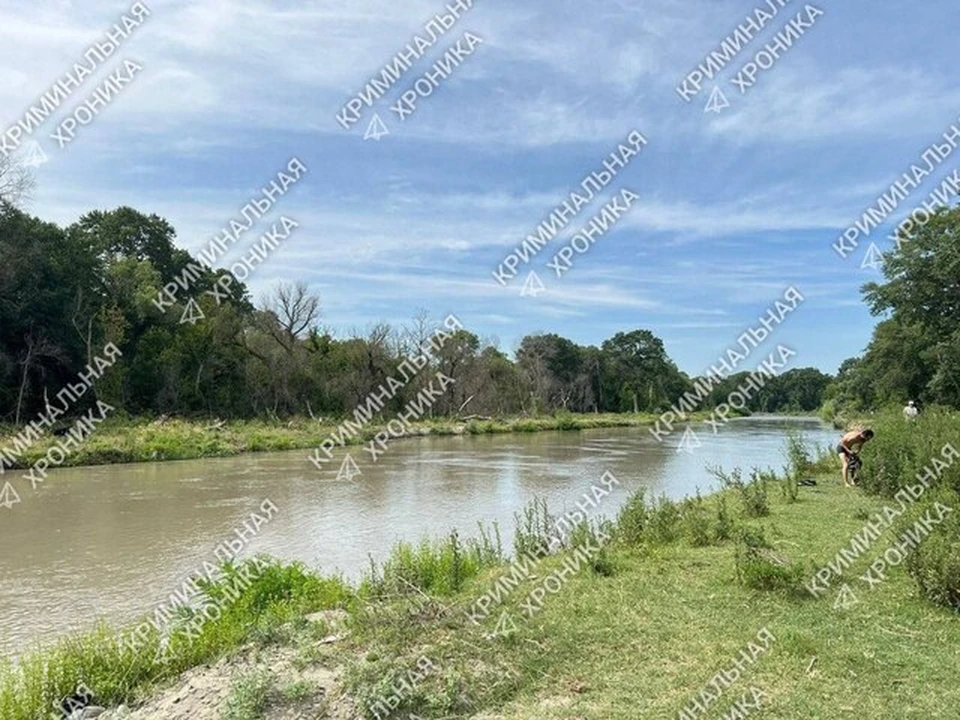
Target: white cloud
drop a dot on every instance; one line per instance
(803, 103)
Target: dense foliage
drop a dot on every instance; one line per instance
(915, 349)
(67, 292)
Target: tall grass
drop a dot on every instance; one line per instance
(116, 671)
(664, 521)
(434, 567)
(535, 528)
(918, 454)
(900, 449)
(753, 493)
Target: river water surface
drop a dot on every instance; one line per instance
(113, 541)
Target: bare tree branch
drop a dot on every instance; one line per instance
(16, 180)
(295, 309)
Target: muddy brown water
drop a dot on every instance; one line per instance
(113, 541)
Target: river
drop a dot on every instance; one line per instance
(112, 541)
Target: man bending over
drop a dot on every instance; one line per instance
(849, 449)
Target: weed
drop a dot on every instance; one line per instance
(438, 567)
(248, 697)
(723, 524)
(760, 568)
(535, 528)
(752, 494)
(695, 519)
(586, 535)
(297, 690)
(632, 519)
(664, 522)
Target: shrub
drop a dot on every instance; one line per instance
(900, 450)
(535, 528)
(663, 526)
(828, 411)
(695, 519)
(586, 535)
(632, 519)
(934, 563)
(439, 567)
(723, 524)
(752, 494)
(566, 421)
(790, 487)
(248, 697)
(799, 464)
(760, 568)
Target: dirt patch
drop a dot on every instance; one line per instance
(292, 691)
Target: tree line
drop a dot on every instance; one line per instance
(66, 292)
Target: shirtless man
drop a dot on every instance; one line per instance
(849, 447)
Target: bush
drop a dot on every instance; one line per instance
(900, 450)
(723, 525)
(535, 528)
(760, 568)
(695, 519)
(663, 525)
(439, 567)
(248, 697)
(632, 519)
(566, 421)
(935, 561)
(666, 522)
(799, 464)
(586, 535)
(752, 494)
(828, 411)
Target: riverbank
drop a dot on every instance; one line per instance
(134, 440)
(683, 604)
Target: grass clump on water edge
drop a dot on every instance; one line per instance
(439, 567)
(119, 672)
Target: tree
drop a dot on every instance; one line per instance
(638, 374)
(67, 292)
(552, 366)
(913, 350)
(16, 181)
(294, 309)
(922, 276)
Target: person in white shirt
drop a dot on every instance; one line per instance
(910, 411)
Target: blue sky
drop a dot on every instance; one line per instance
(734, 207)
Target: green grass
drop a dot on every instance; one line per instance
(131, 440)
(434, 566)
(644, 641)
(297, 690)
(270, 610)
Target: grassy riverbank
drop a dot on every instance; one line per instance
(638, 628)
(122, 440)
